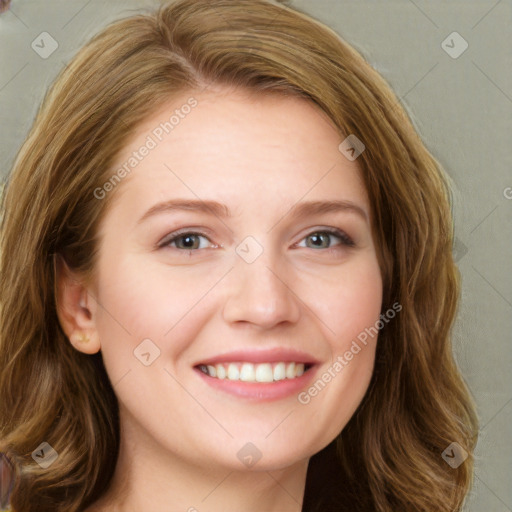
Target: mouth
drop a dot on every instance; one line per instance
(259, 372)
(262, 375)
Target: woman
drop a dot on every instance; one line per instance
(227, 279)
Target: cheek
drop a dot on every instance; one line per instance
(141, 300)
(351, 311)
(350, 302)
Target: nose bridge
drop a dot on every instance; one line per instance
(260, 291)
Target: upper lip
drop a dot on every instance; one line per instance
(274, 355)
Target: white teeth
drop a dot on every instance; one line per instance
(264, 373)
(249, 372)
(279, 371)
(221, 371)
(233, 372)
(290, 371)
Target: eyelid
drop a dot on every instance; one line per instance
(346, 240)
(171, 237)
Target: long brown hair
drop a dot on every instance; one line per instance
(389, 456)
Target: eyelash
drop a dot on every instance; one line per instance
(346, 241)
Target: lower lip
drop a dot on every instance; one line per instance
(261, 391)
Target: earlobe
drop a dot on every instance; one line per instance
(76, 308)
(84, 341)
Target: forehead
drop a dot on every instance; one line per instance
(238, 144)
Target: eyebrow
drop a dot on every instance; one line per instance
(300, 210)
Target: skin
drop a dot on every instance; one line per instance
(260, 155)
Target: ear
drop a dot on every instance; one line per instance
(76, 308)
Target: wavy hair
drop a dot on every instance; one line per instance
(388, 457)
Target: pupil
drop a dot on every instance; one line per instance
(188, 240)
(317, 239)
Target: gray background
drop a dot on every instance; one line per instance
(462, 108)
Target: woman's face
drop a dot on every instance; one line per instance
(216, 256)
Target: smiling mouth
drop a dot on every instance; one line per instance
(249, 372)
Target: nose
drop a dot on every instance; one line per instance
(260, 293)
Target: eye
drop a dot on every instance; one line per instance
(186, 240)
(321, 239)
